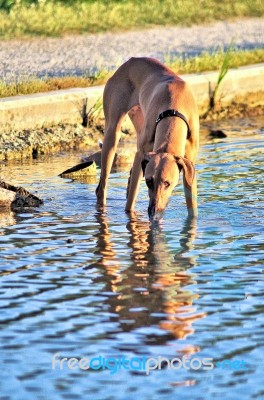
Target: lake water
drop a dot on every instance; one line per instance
(88, 285)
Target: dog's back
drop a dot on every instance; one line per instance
(146, 81)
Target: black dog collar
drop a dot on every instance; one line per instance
(174, 113)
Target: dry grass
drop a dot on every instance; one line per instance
(36, 85)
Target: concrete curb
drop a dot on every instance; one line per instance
(69, 106)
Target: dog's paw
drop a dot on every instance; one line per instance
(101, 196)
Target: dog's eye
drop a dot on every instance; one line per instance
(149, 183)
(166, 184)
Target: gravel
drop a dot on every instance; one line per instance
(75, 55)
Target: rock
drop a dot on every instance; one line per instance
(217, 134)
(95, 157)
(17, 197)
(87, 168)
(89, 179)
(123, 157)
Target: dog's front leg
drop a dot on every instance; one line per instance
(134, 181)
(191, 197)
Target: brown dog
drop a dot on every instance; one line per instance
(164, 113)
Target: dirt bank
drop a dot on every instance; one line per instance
(47, 140)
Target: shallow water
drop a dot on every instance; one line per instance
(85, 284)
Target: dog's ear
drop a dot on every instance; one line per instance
(146, 159)
(188, 169)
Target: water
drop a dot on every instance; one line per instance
(85, 284)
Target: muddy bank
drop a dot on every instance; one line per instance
(250, 106)
(65, 137)
(47, 140)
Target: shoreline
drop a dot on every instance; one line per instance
(63, 137)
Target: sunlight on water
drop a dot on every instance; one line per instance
(82, 283)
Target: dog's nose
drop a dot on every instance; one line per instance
(152, 208)
(154, 212)
(151, 211)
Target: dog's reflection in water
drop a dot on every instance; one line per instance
(148, 286)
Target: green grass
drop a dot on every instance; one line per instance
(49, 18)
(213, 61)
(180, 65)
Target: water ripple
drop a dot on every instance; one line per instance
(82, 283)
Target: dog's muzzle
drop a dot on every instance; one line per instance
(154, 213)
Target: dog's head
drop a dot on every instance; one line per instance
(161, 172)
